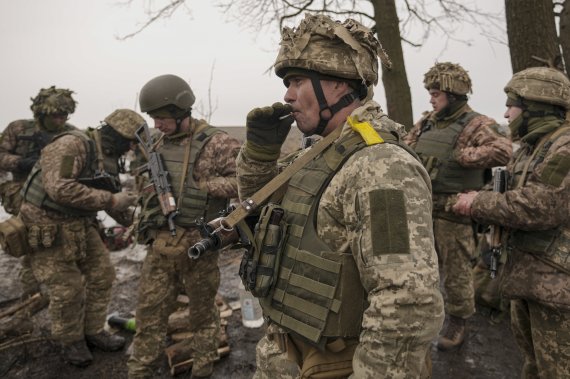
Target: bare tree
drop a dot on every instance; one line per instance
(206, 112)
(562, 11)
(531, 29)
(412, 23)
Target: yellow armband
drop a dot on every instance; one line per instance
(369, 135)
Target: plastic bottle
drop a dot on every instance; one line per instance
(122, 323)
(251, 314)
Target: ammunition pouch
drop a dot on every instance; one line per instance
(13, 237)
(260, 265)
(171, 246)
(43, 236)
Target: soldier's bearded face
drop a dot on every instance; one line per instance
(512, 112)
(165, 125)
(438, 99)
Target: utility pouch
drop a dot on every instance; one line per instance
(171, 246)
(13, 237)
(42, 236)
(260, 266)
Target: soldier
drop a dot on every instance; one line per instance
(355, 290)
(77, 176)
(458, 147)
(20, 147)
(534, 211)
(200, 160)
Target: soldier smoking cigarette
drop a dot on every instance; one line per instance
(285, 116)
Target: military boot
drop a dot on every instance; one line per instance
(77, 353)
(105, 341)
(453, 335)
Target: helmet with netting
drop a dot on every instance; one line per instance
(448, 77)
(125, 122)
(53, 100)
(167, 92)
(541, 84)
(346, 50)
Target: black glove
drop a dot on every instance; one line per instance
(267, 129)
(26, 164)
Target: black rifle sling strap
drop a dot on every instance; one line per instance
(251, 203)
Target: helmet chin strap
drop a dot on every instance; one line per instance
(326, 112)
(179, 121)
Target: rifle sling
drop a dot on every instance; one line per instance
(250, 204)
(187, 161)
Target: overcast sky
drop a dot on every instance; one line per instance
(72, 44)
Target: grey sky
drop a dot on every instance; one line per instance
(72, 44)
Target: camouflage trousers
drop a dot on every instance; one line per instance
(162, 279)
(543, 335)
(28, 280)
(405, 355)
(455, 246)
(78, 275)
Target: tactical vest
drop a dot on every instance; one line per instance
(553, 243)
(317, 293)
(435, 148)
(34, 192)
(26, 145)
(194, 203)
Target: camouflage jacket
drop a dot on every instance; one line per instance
(13, 149)
(62, 188)
(394, 283)
(539, 205)
(478, 146)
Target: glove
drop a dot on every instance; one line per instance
(266, 132)
(122, 200)
(26, 164)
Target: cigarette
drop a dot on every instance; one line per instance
(285, 116)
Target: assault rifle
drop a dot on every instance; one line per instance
(232, 227)
(159, 176)
(500, 178)
(39, 139)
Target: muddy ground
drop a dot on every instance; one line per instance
(489, 352)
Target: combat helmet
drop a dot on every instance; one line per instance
(448, 77)
(53, 100)
(321, 48)
(125, 122)
(541, 84)
(169, 94)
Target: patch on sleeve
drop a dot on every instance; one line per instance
(556, 170)
(389, 222)
(66, 168)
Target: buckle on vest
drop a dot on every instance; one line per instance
(249, 204)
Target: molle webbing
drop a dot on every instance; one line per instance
(34, 192)
(435, 148)
(194, 203)
(545, 242)
(318, 293)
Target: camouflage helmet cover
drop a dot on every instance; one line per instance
(541, 84)
(53, 101)
(125, 122)
(166, 90)
(346, 50)
(448, 77)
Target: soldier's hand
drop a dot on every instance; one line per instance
(26, 164)
(123, 200)
(266, 130)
